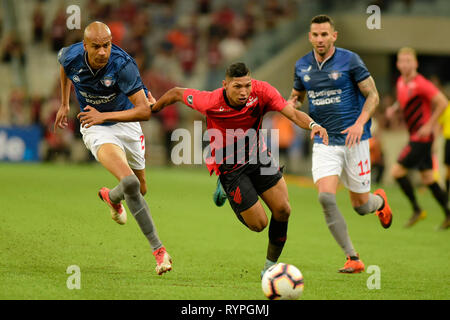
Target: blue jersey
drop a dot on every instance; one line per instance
(335, 101)
(106, 89)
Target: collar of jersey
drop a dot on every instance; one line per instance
(90, 69)
(228, 102)
(320, 65)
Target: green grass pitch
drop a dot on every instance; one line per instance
(51, 218)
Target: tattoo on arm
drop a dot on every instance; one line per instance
(369, 90)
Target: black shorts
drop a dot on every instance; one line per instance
(447, 152)
(243, 185)
(416, 155)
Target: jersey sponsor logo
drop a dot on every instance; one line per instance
(95, 99)
(324, 101)
(324, 97)
(190, 99)
(323, 93)
(76, 78)
(251, 101)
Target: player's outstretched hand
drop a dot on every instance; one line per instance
(354, 134)
(61, 118)
(321, 131)
(90, 116)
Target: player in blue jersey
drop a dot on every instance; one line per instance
(342, 97)
(112, 100)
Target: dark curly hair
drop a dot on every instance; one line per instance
(238, 69)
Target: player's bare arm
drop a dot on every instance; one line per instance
(303, 120)
(141, 112)
(370, 92)
(61, 116)
(170, 97)
(439, 104)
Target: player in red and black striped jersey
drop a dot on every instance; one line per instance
(238, 155)
(422, 104)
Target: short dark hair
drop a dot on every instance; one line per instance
(323, 18)
(238, 69)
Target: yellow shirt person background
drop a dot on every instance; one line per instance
(444, 121)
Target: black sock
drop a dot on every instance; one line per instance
(277, 238)
(447, 185)
(440, 196)
(407, 188)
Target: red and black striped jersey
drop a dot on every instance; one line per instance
(415, 98)
(227, 124)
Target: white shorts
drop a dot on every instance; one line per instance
(351, 165)
(127, 135)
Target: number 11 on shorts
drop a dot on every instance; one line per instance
(366, 165)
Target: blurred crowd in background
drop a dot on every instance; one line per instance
(174, 42)
(168, 48)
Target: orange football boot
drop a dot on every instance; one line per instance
(385, 214)
(353, 265)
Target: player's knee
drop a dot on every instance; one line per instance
(327, 200)
(361, 210)
(258, 225)
(283, 212)
(397, 171)
(394, 173)
(428, 177)
(131, 184)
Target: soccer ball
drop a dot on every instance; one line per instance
(282, 282)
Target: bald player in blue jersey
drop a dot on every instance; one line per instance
(342, 98)
(112, 101)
